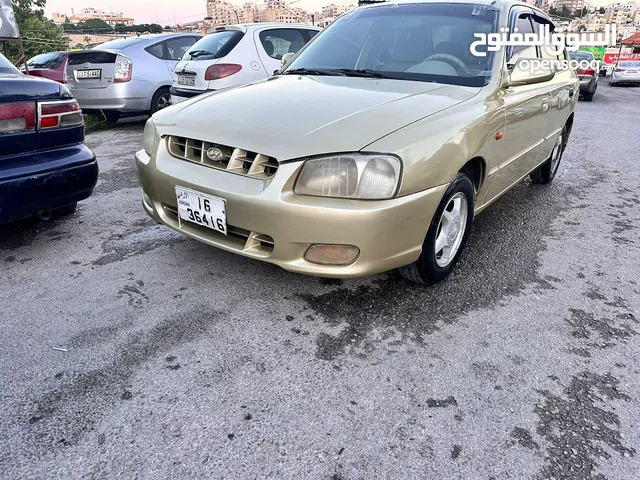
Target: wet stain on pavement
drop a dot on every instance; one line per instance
(77, 403)
(579, 431)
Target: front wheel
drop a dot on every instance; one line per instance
(546, 172)
(447, 235)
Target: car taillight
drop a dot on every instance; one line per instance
(65, 113)
(122, 69)
(17, 117)
(620, 70)
(221, 70)
(587, 71)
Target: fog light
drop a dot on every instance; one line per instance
(331, 254)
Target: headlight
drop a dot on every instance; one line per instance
(360, 176)
(151, 138)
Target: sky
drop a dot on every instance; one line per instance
(165, 11)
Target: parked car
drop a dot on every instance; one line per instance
(235, 55)
(127, 76)
(373, 149)
(45, 168)
(625, 73)
(603, 69)
(588, 76)
(49, 65)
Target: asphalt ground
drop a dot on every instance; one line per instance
(130, 351)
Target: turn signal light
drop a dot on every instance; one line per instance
(221, 70)
(619, 70)
(326, 254)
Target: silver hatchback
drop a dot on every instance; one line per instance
(127, 76)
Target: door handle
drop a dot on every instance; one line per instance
(545, 104)
(571, 92)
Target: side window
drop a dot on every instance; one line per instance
(309, 34)
(156, 50)
(279, 42)
(523, 24)
(539, 27)
(177, 47)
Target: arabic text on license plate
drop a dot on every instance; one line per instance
(186, 80)
(205, 210)
(88, 73)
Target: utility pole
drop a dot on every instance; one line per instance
(313, 19)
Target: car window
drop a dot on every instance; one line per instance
(177, 47)
(156, 50)
(46, 60)
(412, 41)
(308, 34)
(581, 56)
(547, 51)
(524, 26)
(214, 45)
(281, 41)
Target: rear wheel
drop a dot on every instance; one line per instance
(447, 234)
(588, 96)
(111, 116)
(546, 172)
(161, 99)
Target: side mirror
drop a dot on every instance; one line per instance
(285, 59)
(529, 71)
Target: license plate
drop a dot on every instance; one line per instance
(88, 73)
(187, 80)
(205, 210)
(631, 71)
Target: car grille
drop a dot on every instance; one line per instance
(234, 160)
(257, 244)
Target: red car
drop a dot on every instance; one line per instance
(49, 65)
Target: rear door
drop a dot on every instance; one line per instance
(274, 43)
(91, 68)
(174, 50)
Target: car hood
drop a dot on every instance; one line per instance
(16, 87)
(293, 116)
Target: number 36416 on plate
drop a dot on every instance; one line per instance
(205, 210)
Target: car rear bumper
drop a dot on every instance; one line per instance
(181, 94)
(587, 84)
(617, 78)
(116, 96)
(388, 233)
(54, 179)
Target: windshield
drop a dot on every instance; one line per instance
(581, 56)
(46, 60)
(424, 42)
(629, 64)
(214, 45)
(6, 66)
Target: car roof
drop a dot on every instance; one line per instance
(498, 4)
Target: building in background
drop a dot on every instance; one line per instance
(88, 13)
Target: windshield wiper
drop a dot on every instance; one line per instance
(313, 71)
(362, 72)
(197, 53)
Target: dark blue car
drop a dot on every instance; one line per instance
(45, 168)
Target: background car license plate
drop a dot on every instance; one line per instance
(202, 209)
(187, 80)
(88, 73)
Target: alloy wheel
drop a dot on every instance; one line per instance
(451, 229)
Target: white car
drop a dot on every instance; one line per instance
(235, 55)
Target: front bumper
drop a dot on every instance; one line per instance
(55, 178)
(181, 94)
(389, 233)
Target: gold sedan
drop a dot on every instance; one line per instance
(373, 147)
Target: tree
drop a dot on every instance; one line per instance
(97, 25)
(602, 10)
(39, 35)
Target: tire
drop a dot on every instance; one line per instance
(112, 116)
(66, 210)
(433, 266)
(161, 99)
(546, 172)
(589, 96)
